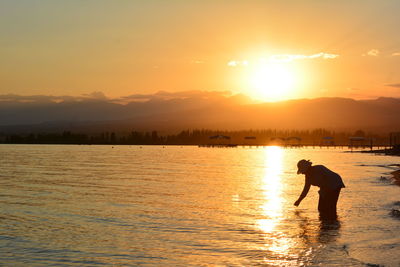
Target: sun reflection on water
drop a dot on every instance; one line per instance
(271, 186)
(272, 206)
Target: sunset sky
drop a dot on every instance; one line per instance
(269, 50)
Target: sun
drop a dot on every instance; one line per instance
(272, 81)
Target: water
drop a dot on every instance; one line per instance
(190, 206)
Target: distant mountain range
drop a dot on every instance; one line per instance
(168, 113)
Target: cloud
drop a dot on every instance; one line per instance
(232, 63)
(358, 93)
(289, 57)
(51, 98)
(235, 63)
(193, 93)
(34, 98)
(163, 95)
(198, 62)
(284, 58)
(396, 54)
(372, 53)
(96, 95)
(353, 89)
(396, 85)
(99, 96)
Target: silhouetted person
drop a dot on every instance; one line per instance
(329, 182)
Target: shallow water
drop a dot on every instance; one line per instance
(190, 206)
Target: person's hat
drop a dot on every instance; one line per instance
(302, 163)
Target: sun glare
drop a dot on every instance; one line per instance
(272, 81)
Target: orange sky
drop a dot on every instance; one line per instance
(314, 48)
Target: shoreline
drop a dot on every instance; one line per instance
(394, 151)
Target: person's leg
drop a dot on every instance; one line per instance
(331, 203)
(327, 203)
(335, 198)
(322, 202)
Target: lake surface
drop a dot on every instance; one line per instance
(190, 206)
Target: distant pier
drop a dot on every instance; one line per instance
(219, 145)
(354, 143)
(351, 147)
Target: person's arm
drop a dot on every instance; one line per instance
(304, 193)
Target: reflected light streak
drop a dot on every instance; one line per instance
(272, 207)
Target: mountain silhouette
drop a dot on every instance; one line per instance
(174, 113)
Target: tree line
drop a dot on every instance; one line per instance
(201, 137)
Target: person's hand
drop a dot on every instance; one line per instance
(297, 203)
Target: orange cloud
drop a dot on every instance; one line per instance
(284, 58)
(372, 53)
(289, 57)
(235, 63)
(396, 85)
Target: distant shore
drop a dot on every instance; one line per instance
(394, 151)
